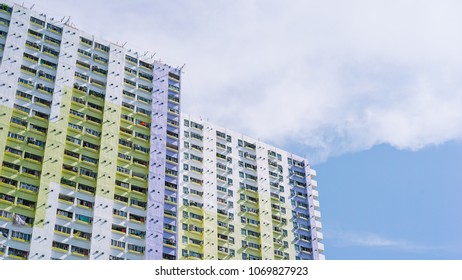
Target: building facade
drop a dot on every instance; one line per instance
(89, 132)
(97, 163)
(240, 198)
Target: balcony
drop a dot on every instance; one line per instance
(319, 235)
(315, 194)
(317, 214)
(314, 184)
(318, 225)
(316, 204)
(313, 173)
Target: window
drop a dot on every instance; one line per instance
(129, 106)
(60, 245)
(173, 76)
(86, 41)
(92, 132)
(6, 197)
(28, 70)
(80, 251)
(62, 229)
(48, 64)
(31, 171)
(146, 76)
(5, 214)
(50, 51)
(42, 101)
(130, 83)
(119, 213)
(35, 33)
(73, 139)
(37, 21)
(40, 115)
(86, 188)
(143, 111)
(8, 181)
(23, 95)
(143, 99)
(135, 232)
(88, 172)
(99, 70)
(146, 65)
(64, 213)
(82, 234)
(137, 202)
(83, 218)
(97, 95)
(137, 147)
(146, 88)
(85, 53)
(118, 244)
(19, 122)
(31, 156)
(131, 59)
(21, 236)
(141, 135)
(13, 151)
(84, 203)
(121, 198)
(100, 59)
(93, 119)
(90, 145)
(129, 94)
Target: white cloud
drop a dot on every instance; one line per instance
(336, 76)
(367, 239)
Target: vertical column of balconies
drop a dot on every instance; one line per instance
(195, 182)
(6, 77)
(107, 67)
(226, 180)
(163, 174)
(223, 149)
(59, 49)
(303, 206)
(274, 179)
(16, 203)
(315, 215)
(79, 172)
(172, 169)
(211, 204)
(132, 141)
(170, 236)
(12, 41)
(5, 18)
(284, 207)
(128, 225)
(252, 203)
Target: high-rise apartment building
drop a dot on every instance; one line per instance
(89, 132)
(240, 198)
(96, 162)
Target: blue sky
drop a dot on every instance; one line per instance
(385, 203)
(369, 90)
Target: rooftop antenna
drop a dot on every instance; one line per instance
(31, 7)
(123, 45)
(181, 68)
(145, 53)
(63, 18)
(152, 56)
